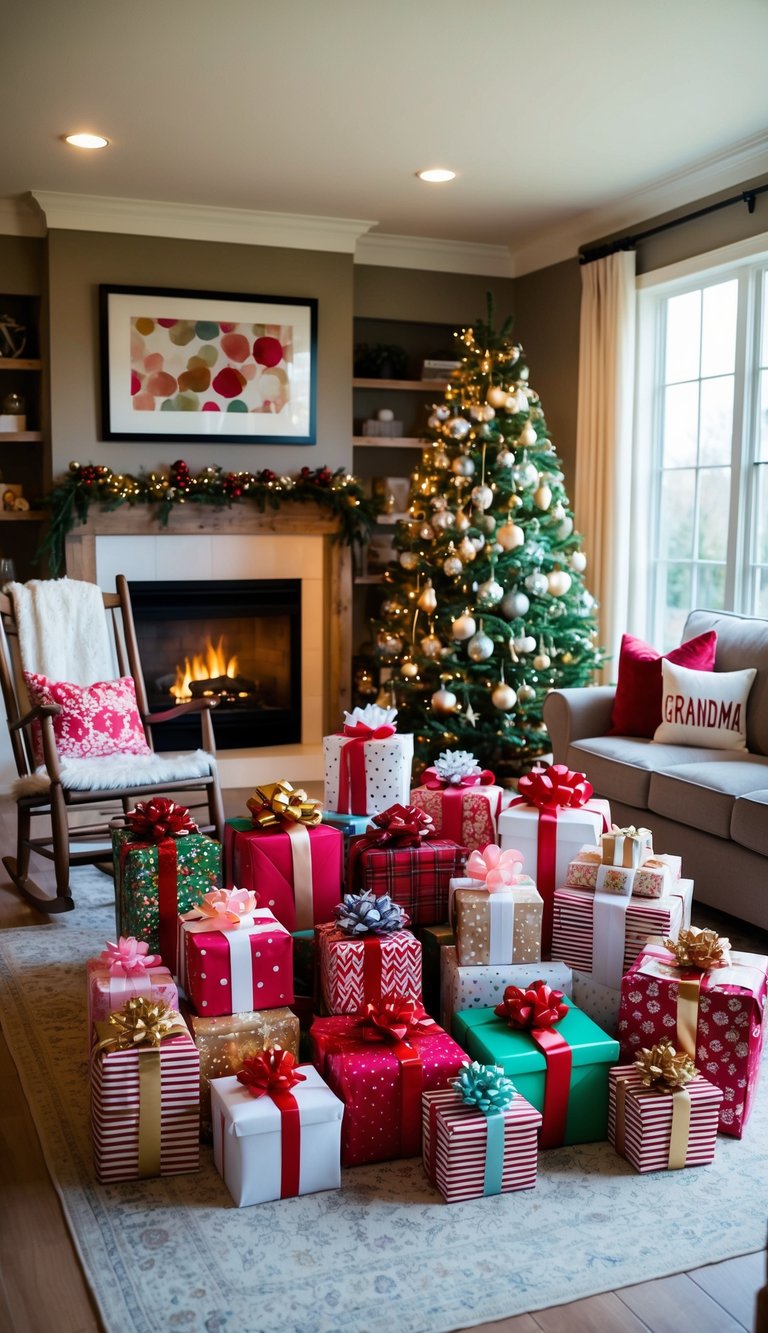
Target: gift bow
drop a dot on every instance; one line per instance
(664, 1069)
(270, 1073)
(486, 1087)
(278, 803)
(700, 949)
(498, 869)
(361, 731)
(141, 1023)
(435, 781)
(538, 1006)
(555, 787)
(129, 957)
(155, 820)
(394, 1019)
(227, 908)
(400, 826)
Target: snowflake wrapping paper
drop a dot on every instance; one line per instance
(480, 810)
(729, 1022)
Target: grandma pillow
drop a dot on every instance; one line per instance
(704, 708)
(95, 721)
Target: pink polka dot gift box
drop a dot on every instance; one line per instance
(233, 956)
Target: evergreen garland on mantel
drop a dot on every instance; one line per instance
(86, 484)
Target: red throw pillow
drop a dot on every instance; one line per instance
(637, 705)
(96, 720)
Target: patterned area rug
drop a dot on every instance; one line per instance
(384, 1252)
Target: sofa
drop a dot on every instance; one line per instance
(708, 806)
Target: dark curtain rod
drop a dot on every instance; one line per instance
(748, 197)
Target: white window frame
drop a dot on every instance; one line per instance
(742, 261)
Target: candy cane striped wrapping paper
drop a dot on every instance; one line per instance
(648, 1121)
(459, 1157)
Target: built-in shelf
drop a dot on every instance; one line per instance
(18, 363)
(389, 442)
(21, 436)
(368, 578)
(22, 516)
(391, 519)
(413, 386)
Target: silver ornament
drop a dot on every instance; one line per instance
(452, 566)
(505, 458)
(434, 421)
(486, 523)
(458, 428)
(490, 593)
(537, 583)
(409, 559)
(463, 627)
(482, 496)
(389, 645)
(442, 412)
(480, 647)
(515, 604)
(442, 520)
(525, 474)
(463, 466)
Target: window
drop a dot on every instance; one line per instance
(704, 381)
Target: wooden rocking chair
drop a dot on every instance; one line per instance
(46, 792)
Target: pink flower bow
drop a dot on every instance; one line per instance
(129, 957)
(499, 869)
(227, 907)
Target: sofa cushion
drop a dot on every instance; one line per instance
(637, 704)
(742, 641)
(620, 767)
(706, 708)
(749, 821)
(702, 794)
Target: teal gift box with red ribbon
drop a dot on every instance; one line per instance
(556, 1056)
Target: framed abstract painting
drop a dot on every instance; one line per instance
(207, 366)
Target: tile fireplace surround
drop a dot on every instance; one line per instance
(241, 543)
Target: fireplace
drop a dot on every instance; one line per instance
(238, 641)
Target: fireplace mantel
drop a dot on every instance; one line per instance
(244, 519)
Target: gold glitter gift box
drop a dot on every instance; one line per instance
(225, 1041)
(500, 927)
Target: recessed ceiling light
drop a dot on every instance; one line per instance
(436, 174)
(86, 140)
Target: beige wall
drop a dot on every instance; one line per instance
(441, 298)
(547, 324)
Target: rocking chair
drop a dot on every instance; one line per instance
(61, 788)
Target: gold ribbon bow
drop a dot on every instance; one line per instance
(664, 1070)
(142, 1025)
(278, 803)
(700, 949)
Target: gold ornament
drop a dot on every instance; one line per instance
(663, 1068)
(431, 646)
(542, 496)
(444, 701)
(700, 949)
(428, 599)
(466, 549)
(509, 536)
(558, 582)
(496, 396)
(503, 697)
(409, 669)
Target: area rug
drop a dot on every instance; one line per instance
(382, 1253)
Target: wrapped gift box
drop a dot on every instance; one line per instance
(125, 1090)
(349, 826)
(156, 882)
(304, 963)
(250, 1145)
(655, 877)
(385, 773)
(302, 891)
(475, 821)
(727, 1006)
(356, 971)
(458, 1140)
(640, 1121)
(627, 847)
(381, 1085)
(416, 878)
(232, 971)
(493, 1042)
(500, 927)
(603, 933)
(108, 990)
(434, 939)
(478, 987)
(601, 1003)
(224, 1043)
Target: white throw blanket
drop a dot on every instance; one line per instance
(63, 630)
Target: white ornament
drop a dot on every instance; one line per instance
(542, 496)
(478, 541)
(452, 566)
(482, 496)
(542, 660)
(525, 643)
(480, 647)
(525, 474)
(463, 627)
(505, 458)
(527, 436)
(515, 604)
(509, 535)
(566, 528)
(578, 562)
(490, 593)
(559, 582)
(444, 701)
(442, 520)
(558, 512)
(496, 396)
(503, 697)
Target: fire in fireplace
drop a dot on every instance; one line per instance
(238, 641)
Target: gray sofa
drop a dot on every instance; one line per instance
(708, 806)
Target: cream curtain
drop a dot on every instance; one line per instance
(603, 491)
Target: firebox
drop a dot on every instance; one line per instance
(237, 641)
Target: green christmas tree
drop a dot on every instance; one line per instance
(485, 608)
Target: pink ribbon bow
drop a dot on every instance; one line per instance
(129, 957)
(556, 786)
(430, 778)
(226, 908)
(499, 869)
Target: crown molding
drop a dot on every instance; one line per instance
(19, 217)
(387, 250)
(719, 171)
(197, 222)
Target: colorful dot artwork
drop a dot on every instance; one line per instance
(186, 365)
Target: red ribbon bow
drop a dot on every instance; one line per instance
(270, 1073)
(363, 732)
(538, 1006)
(555, 787)
(400, 826)
(430, 778)
(394, 1019)
(154, 820)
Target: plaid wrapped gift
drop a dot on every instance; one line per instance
(416, 878)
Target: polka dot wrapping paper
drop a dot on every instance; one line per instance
(489, 925)
(146, 904)
(388, 766)
(730, 1009)
(251, 963)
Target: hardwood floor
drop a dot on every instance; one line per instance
(42, 1288)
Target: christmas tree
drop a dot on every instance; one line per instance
(485, 608)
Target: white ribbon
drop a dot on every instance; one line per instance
(303, 888)
(501, 908)
(609, 929)
(241, 967)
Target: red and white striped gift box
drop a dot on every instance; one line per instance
(455, 1139)
(116, 1107)
(354, 971)
(647, 1115)
(573, 924)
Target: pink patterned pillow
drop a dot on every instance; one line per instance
(95, 720)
